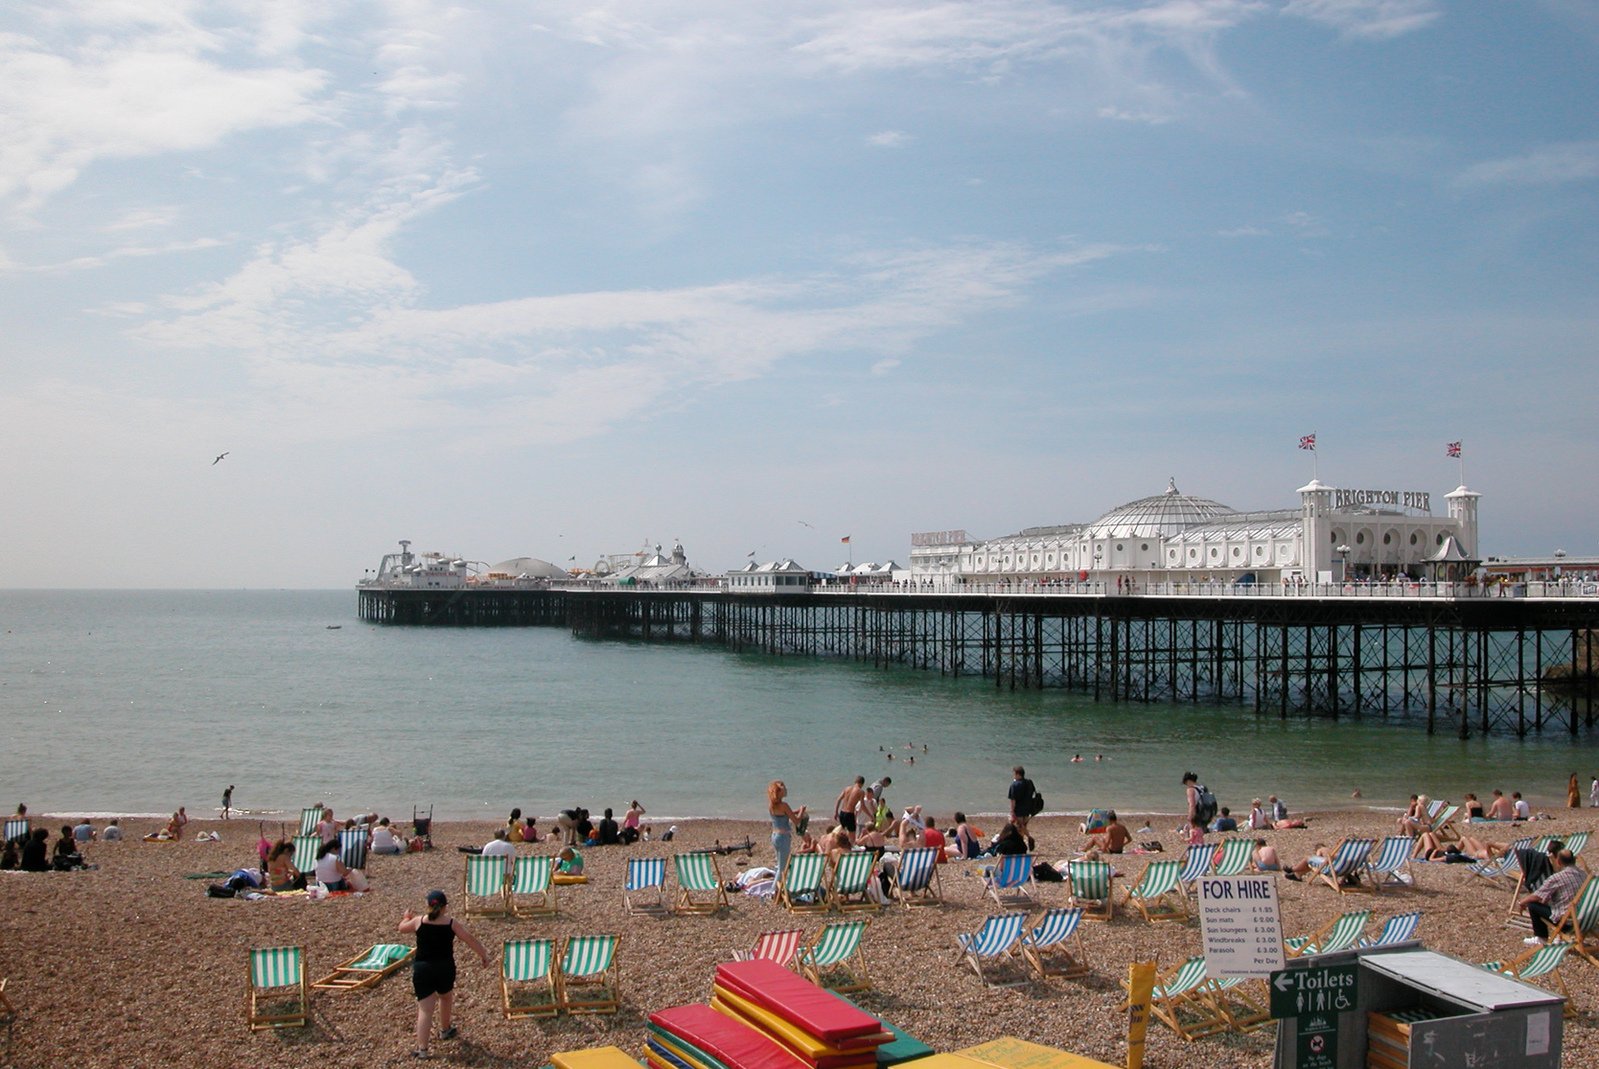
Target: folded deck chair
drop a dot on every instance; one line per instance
(1581, 921)
(1390, 863)
(1400, 928)
(352, 847)
(1156, 895)
(304, 858)
(309, 819)
(779, 946)
(852, 877)
(483, 887)
(699, 884)
(916, 878)
(644, 890)
(996, 943)
(15, 829)
(589, 980)
(1090, 887)
(1342, 871)
(366, 968)
(527, 978)
(1181, 1000)
(1053, 947)
(1011, 881)
(1340, 933)
(1237, 855)
(802, 886)
(279, 995)
(1536, 962)
(1196, 865)
(532, 889)
(835, 960)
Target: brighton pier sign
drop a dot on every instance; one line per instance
(1421, 500)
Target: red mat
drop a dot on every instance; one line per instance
(733, 1043)
(819, 1013)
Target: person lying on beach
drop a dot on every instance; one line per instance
(1319, 858)
(1112, 838)
(1265, 858)
(1429, 847)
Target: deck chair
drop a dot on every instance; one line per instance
(1090, 884)
(1507, 867)
(1156, 895)
(1577, 842)
(16, 828)
(852, 877)
(527, 978)
(1342, 870)
(1399, 928)
(531, 892)
(1181, 1001)
(835, 960)
(1443, 824)
(1237, 855)
(352, 848)
(1536, 962)
(1581, 921)
(916, 878)
(309, 819)
(699, 884)
(588, 980)
(802, 887)
(779, 946)
(1240, 1001)
(644, 890)
(305, 848)
(1340, 933)
(1053, 947)
(483, 888)
(1011, 882)
(279, 995)
(1389, 862)
(996, 943)
(1196, 865)
(366, 968)
(8, 1014)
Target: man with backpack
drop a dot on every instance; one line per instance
(1201, 803)
(1025, 801)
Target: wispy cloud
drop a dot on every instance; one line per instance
(888, 139)
(1371, 19)
(1576, 161)
(123, 252)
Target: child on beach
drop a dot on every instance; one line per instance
(433, 969)
(571, 862)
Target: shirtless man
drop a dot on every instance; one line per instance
(848, 799)
(1501, 808)
(1265, 857)
(1112, 838)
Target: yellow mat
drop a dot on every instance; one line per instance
(784, 1031)
(565, 879)
(1008, 1052)
(595, 1058)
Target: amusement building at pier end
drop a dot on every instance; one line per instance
(1334, 534)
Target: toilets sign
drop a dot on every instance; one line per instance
(1316, 991)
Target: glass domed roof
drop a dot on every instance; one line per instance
(1160, 516)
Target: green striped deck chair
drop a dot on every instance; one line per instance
(1053, 947)
(644, 888)
(1581, 921)
(366, 968)
(1196, 865)
(305, 848)
(589, 980)
(1341, 934)
(801, 888)
(996, 943)
(1390, 863)
(532, 891)
(483, 888)
(1089, 884)
(1011, 881)
(852, 875)
(527, 978)
(1242, 1002)
(352, 847)
(699, 884)
(916, 877)
(1181, 1001)
(1342, 870)
(1156, 895)
(1537, 962)
(835, 960)
(1237, 857)
(279, 995)
(1443, 825)
(1577, 842)
(1400, 928)
(16, 828)
(309, 819)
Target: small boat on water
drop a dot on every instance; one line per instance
(334, 627)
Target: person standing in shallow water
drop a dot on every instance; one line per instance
(227, 802)
(433, 969)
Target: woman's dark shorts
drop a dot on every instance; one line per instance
(432, 978)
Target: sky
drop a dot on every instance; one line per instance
(569, 279)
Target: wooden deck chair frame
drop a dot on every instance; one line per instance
(645, 875)
(690, 897)
(1348, 860)
(1082, 884)
(277, 979)
(1054, 946)
(1341, 933)
(530, 891)
(837, 949)
(997, 944)
(1504, 867)
(527, 979)
(1537, 962)
(1157, 895)
(850, 887)
(366, 968)
(588, 977)
(780, 945)
(1243, 1002)
(1011, 881)
(1181, 1001)
(802, 888)
(477, 883)
(915, 881)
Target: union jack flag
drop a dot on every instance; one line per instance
(1452, 449)
(1307, 441)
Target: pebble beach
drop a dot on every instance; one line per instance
(131, 964)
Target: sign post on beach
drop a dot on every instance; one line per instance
(1140, 987)
(1241, 921)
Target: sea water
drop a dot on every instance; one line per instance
(140, 701)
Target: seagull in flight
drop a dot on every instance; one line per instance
(802, 523)
(218, 460)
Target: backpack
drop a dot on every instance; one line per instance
(1038, 804)
(1205, 806)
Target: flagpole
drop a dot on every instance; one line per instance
(1462, 459)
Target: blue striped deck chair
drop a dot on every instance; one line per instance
(699, 884)
(997, 944)
(835, 960)
(1400, 928)
(1053, 947)
(527, 978)
(1506, 867)
(779, 946)
(1011, 881)
(305, 848)
(309, 819)
(1536, 962)
(1091, 885)
(483, 886)
(366, 968)
(1181, 1000)
(644, 890)
(16, 828)
(1196, 865)
(916, 877)
(279, 995)
(852, 876)
(1156, 895)
(1390, 863)
(1341, 933)
(589, 980)
(802, 888)
(1342, 870)
(531, 892)
(352, 848)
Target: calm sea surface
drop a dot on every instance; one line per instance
(138, 701)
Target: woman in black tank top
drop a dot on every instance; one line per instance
(433, 969)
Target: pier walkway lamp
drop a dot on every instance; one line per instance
(1343, 566)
